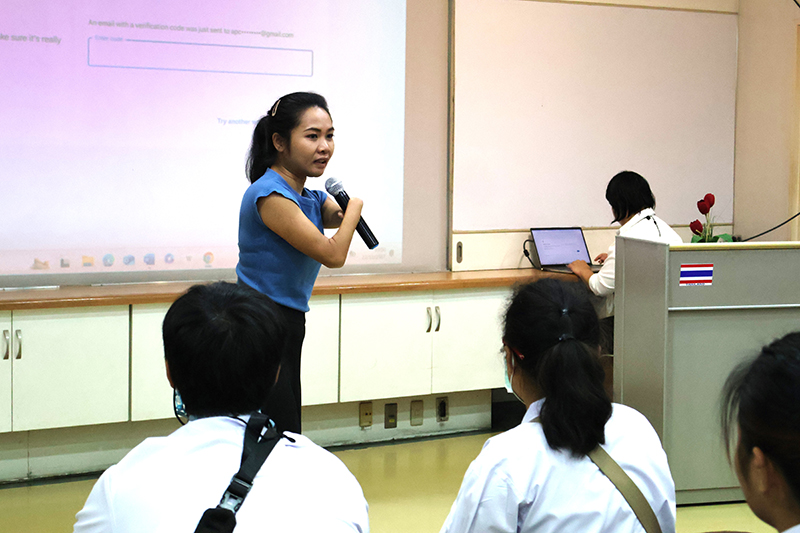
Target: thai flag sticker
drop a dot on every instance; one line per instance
(696, 275)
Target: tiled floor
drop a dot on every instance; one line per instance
(409, 487)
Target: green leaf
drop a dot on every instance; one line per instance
(695, 238)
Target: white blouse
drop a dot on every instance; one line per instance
(644, 225)
(518, 483)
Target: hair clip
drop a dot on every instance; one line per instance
(275, 107)
(564, 312)
(564, 337)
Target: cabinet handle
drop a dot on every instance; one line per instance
(430, 321)
(438, 318)
(18, 335)
(7, 339)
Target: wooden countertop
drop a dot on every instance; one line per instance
(167, 292)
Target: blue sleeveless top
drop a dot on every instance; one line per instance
(268, 263)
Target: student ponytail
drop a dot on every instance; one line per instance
(553, 324)
(282, 118)
(576, 407)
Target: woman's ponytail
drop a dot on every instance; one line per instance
(555, 326)
(262, 153)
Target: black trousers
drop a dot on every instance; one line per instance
(284, 400)
(607, 335)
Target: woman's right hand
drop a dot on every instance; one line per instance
(600, 259)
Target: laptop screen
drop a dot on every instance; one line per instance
(559, 246)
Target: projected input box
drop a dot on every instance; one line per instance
(199, 57)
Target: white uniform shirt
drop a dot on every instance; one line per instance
(644, 225)
(518, 483)
(793, 529)
(165, 484)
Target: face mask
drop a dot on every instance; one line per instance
(178, 407)
(509, 387)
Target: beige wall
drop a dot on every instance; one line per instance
(765, 182)
(426, 139)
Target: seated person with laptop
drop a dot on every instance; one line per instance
(632, 203)
(222, 345)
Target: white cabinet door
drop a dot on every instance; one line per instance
(151, 394)
(6, 361)
(319, 362)
(385, 346)
(73, 368)
(467, 345)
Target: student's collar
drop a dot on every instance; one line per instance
(533, 410)
(638, 217)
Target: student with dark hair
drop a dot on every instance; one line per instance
(761, 404)
(281, 239)
(537, 477)
(632, 203)
(216, 337)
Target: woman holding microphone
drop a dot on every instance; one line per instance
(281, 239)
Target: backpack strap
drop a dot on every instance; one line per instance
(626, 486)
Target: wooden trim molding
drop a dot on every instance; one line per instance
(148, 293)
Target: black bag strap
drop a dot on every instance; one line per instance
(258, 444)
(260, 438)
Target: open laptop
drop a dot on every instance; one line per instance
(554, 248)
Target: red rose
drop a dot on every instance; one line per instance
(703, 207)
(709, 199)
(696, 227)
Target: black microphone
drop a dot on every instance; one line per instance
(336, 189)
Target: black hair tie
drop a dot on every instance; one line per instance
(566, 325)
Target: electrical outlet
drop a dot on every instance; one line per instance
(365, 414)
(390, 415)
(442, 409)
(417, 412)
